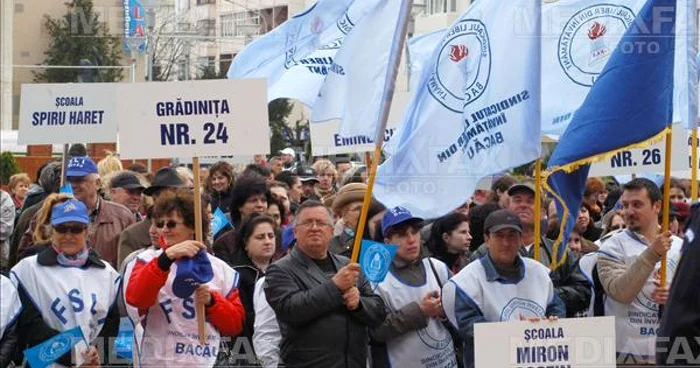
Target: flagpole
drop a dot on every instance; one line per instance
(200, 311)
(394, 61)
(538, 208)
(666, 202)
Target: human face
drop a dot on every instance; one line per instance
(617, 222)
(257, 203)
(408, 241)
(351, 214)
(280, 194)
(259, 159)
(84, 187)
(129, 198)
(640, 214)
(674, 226)
(459, 239)
(313, 232)
(342, 169)
(68, 242)
(295, 191)
(220, 182)
(574, 242)
(20, 190)
(276, 166)
(503, 246)
(676, 195)
(173, 235)
(287, 159)
(261, 243)
(325, 179)
(154, 234)
(523, 204)
(583, 219)
(274, 212)
(203, 174)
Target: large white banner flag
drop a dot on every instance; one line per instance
(296, 57)
(578, 37)
(476, 112)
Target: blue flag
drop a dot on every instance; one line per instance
(355, 86)
(630, 105)
(67, 189)
(475, 112)
(419, 51)
(296, 56)
(49, 351)
(579, 37)
(218, 221)
(375, 259)
(123, 344)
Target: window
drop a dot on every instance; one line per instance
(441, 6)
(202, 2)
(225, 62)
(240, 24)
(207, 27)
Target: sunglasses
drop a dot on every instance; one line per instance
(170, 224)
(69, 229)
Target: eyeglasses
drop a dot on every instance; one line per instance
(314, 223)
(69, 229)
(170, 224)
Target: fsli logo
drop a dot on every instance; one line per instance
(463, 66)
(588, 39)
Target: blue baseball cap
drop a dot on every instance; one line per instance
(80, 166)
(395, 216)
(288, 238)
(71, 210)
(192, 272)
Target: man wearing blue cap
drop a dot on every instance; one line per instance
(107, 219)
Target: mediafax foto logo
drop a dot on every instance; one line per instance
(589, 38)
(463, 66)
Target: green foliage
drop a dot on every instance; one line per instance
(278, 111)
(8, 166)
(209, 72)
(80, 35)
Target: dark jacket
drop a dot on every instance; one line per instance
(135, 237)
(221, 200)
(8, 345)
(569, 283)
(248, 275)
(20, 229)
(224, 246)
(317, 329)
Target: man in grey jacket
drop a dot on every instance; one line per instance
(323, 303)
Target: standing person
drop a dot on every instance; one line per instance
(67, 285)
(500, 286)
(169, 322)
(628, 268)
(342, 166)
(219, 185)
(294, 193)
(288, 157)
(7, 223)
(18, 187)
(325, 174)
(276, 211)
(10, 308)
(450, 240)
(591, 197)
(126, 188)
(324, 305)
(276, 165)
(347, 206)
(412, 335)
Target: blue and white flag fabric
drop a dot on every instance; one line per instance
(476, 112)
(419, 51)
(578, 38)
(296, 57)
(356, 83)
(375, 259)
(218, 221)
(49, 351)
(67, 189)
(123, 344)
(135, 38)
(629, 106)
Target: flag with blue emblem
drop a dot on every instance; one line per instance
(629, 106)
(355, 87)
(296, 56)
(49, 351)
(579, 37)
(375, 259)
(475, 112)
(67, 189)
(218, 221)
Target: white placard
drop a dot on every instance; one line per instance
(68, 113)
(197, 118)
(647, 160)
(574, 342)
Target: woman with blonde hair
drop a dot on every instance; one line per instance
(41, 233)
(325, 173)
(18, 188)
(109, 164)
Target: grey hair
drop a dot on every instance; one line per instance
(312, 204)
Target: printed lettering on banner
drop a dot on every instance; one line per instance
(188, 119)
(67, 113)
(580, 342)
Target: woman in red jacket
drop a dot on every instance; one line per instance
(165, 324)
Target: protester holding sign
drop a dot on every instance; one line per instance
(500, 286)
(628, 267)
(412, 333)
(158, 291)
(67, 285)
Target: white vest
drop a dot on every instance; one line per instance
(166, 334)
(430, 346)
(637, 323)
(586, 264)
(10, 305)
(503, 301)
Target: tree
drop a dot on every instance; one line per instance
(8, 166)
(209, 72)
(80, 36)
(168, 48)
